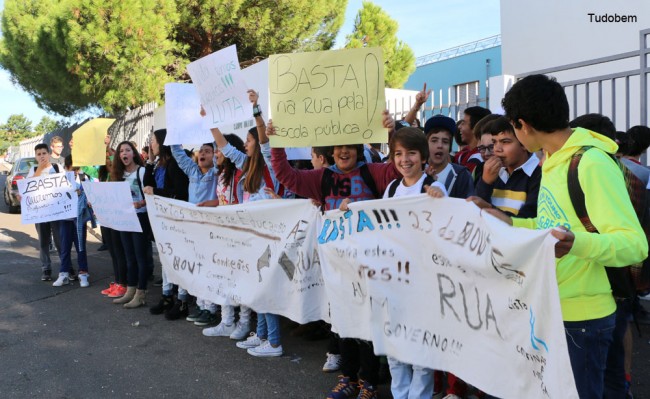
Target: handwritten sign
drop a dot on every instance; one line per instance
(243, 254)
(327, 97)
(437, 284)
(113, 205)
(221, 88)
(182, 115)
(89, 148)
(47, 198)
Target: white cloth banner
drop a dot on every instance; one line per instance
(47, 198)
(221, 88)
(183, 115)
(262, 254)
(113, 205)
(438, 284)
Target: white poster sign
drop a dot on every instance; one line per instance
(47, 198)
(183, 118)
(438, 284)
(262, 254)
(113, 205)
(221, 88)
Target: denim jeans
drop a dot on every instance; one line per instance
(268, 326)
(410, 382)
(45, 232)
(615, 369)
(588, 342)
(68, 236)
(138, 252)
(116, 250)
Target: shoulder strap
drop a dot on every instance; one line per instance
(428, 180)
(325, 186)
(575, 190)
(393, 187)
(137, 176)
(369, 180)
(56, 167)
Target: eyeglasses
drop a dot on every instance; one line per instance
(486, 148)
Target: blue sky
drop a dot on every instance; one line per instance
(425, 25)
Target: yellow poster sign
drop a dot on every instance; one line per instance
(327, 97)
(89, 148)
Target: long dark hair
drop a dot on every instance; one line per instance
(228, 169)
(254, 166)
(165, 151)
(117, 171)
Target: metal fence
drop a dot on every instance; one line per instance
(587, 95)
(488, 42)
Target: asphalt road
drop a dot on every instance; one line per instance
(71, 342)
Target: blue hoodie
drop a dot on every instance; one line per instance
(202, 187)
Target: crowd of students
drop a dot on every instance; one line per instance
(515, 166)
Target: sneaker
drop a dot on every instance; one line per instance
(195, 315)
(241, 331)
(452, 396)
(72, 275)
(62, 280)
(645, 297)
(108, 290)
(165, 303)
(118, 291)
(367, 391)
(83, 280)
(221, 330)
(252, 341)
(102, 247)
(333, 363)
(46, 276)
(207, 318)
(345, 389)
(180, 309)
(265, 350)
(158, 283)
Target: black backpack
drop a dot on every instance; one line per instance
(393, 186)
(327, 180)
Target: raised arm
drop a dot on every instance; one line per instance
(253, 96)
(420, 99)
(186, 164)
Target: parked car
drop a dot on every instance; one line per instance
(18, 171)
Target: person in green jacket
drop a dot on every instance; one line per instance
(538, 110)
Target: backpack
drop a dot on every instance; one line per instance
(628, 281)
(54, 165)
(327, 179)
(393, 186)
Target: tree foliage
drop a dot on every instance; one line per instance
(17, 128)
(47, 125)
(373, 27)
(72, 54)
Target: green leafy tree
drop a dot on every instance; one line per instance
(47, 125)
(18, 125)
(373, 27)
(74, 54)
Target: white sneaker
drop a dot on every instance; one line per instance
(333, 363)
(251, 342)
(62, 280)
(452, 396)
(241, 331)
(220, 330)
(83, 280)
(265, 350)
(645, 297)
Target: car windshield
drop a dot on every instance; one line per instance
(25, 164)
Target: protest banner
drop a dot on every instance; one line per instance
(434, 282)
(222, 89)
(183, 120)
(89, 148)
(47, 198)
(327, 97)
(113, 205)
(243, 254)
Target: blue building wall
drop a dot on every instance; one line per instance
(465, 68)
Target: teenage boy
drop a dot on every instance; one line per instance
(439, 131)
(56, 145)
(469, 155)
(538, 109)
(511, 177)
(48, 229)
